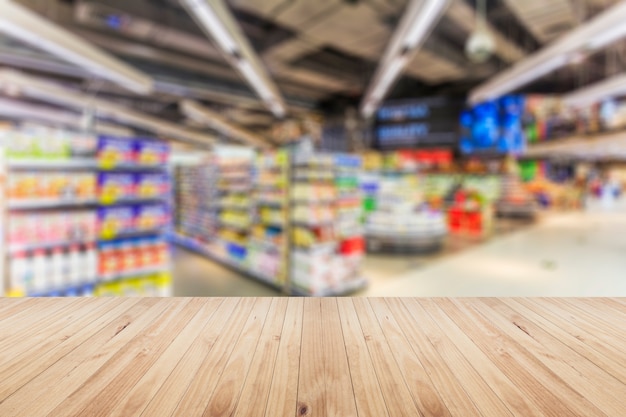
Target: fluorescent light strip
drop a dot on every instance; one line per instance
(25, 111)
(417, 22)
(236, 52)
(423, 23)
(603, 29)
(25, 25)
(608, 88)
(212, 22)
(39, 89)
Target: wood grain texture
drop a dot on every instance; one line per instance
(313, 357)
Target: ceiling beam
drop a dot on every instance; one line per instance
(21, 23)
(46, 91)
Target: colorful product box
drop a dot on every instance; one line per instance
(151, 152)
(151, 185)
(113, 187)
(150, 216)
(115, 220)
(114, 152)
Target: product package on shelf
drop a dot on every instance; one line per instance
(128, 258)
(400, 218)
(50, 187)
(152, 285)
(46, 144)
(267, 245)
(326, 216)
(28, 230)
(54, 271)
(115, 152)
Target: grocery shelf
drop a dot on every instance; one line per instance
(304, 223)
(63, 164)
(64, 289)
(132, 200)
(130, 167)
(134, 233)
(37, 204)
(13, 248)
(134, 273)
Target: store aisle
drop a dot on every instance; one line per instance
(569, 254)
(196, 276)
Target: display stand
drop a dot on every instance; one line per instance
(82, 221)
(327, 235)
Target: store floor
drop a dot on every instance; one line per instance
(571, 254)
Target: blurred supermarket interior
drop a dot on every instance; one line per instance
(313, 147)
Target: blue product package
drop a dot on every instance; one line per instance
(150, 216)
(151, 185)
(115, 186)
(113, 221)
(113, 152)
(151, 151)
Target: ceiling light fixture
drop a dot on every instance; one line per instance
(217, 22)
(19, 22)
(15, 109)
(416, 24)
(605, 28)
(594, 93)
(46, 91)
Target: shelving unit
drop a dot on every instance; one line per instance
(54, 200)
(265, 250)
(327, 243)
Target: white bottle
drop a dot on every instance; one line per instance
(75, 276)
(57, 270)
(90, 272)
(40, 271)
(19, 276)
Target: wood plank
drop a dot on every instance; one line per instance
(187, 369)
(26, 365)
(393, 313)
(618, 308)
(196, 398)
(43, 394)
(228, 390)
(126, 364)
(418, 375)
(37, 319)
(10, 306)
(311, 384)
(592, 342)
(614, 366)
(166, 341)
(283, 395)
(338, 384)
(424, 330)
(579, 373)
(34, 335)
(398, 398)
(256, 389)
(554, 396)
(510, 394)
(601, 319)
(592, 332)
(367, 391)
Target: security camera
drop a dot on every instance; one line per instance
(480, 46)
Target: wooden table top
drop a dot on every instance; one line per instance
(330, 357)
